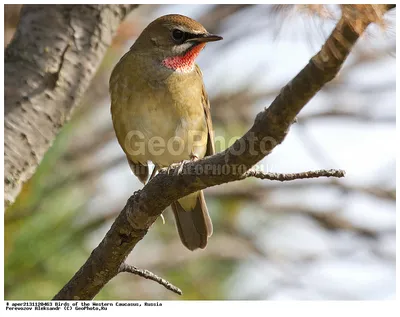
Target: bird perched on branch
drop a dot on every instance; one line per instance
(161, 113)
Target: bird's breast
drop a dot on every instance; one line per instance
(164, 122)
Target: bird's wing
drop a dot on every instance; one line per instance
(117, 91)
(206, 106)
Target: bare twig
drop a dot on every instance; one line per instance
(292, 176)
(150, 276)
(243, 192)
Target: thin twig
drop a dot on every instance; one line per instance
(289, 177)
(150, 276)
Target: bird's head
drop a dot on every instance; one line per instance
(174, 41)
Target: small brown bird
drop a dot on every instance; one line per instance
(161, 113)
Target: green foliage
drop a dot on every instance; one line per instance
(42, 250)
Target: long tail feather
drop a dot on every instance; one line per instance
(192, 220)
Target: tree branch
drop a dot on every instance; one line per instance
(48, 66)
(269, 129)
(289, 177)
(150, 276)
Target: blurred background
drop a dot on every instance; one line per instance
(307, 239)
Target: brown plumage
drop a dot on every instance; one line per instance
(157, 92)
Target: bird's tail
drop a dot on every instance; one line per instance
(192, 220)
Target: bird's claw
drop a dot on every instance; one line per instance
(180, 165)
(169, 168)
(179, 170)
(193, 157)
(163, 219)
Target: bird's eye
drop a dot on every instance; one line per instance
(178, 36)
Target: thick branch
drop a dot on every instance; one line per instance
(48, 65)
(269, 130)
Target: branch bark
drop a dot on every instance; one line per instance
(290, 177)
(269, 129)
(48, 66)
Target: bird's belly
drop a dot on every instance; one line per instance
(163, 136)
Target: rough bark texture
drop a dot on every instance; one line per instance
(48, 65)
(269, 130)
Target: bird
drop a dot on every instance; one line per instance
(161, 112)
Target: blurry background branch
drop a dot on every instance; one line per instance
(145, 206)
(49, 64)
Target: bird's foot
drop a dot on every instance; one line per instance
(193, 157)
(169, 168)
(180, 165)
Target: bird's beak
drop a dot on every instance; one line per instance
(206, 37)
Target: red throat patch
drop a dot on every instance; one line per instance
(184, 63)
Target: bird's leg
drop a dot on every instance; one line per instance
(171, 167)
(179, 165)
(153, 173)
(192, 158)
